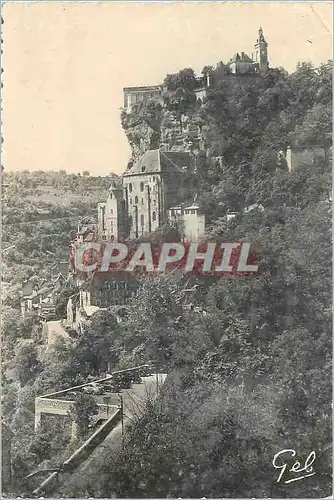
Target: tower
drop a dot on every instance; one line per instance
(112, 215)
(261, 53)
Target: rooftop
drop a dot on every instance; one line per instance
(157, 161)
(142, 89)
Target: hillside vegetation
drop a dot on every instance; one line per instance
(251, 376)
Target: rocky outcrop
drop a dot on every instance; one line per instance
(170, 132)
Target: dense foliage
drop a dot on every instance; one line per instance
(249, 373)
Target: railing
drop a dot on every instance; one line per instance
(141, 369)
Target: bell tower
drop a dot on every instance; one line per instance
(261, 53)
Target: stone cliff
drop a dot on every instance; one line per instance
(168, 130)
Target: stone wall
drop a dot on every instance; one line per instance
(54, 406)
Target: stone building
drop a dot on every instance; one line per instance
(188, 220)
(39, 295)
(261, 53)
(103, 291)
(107, 289)
(242, 64)
(159, 180)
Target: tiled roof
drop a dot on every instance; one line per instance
(157, 161)
(245, 57)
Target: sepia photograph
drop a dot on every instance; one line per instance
(166, 249)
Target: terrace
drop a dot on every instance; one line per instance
(105, 391)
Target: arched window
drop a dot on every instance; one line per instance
(142, 201)
(136, 199)
(141, 220)
(154, 216)
(141, 186)
(130, 187)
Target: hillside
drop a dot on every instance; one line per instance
(40, 214)
(249, 373)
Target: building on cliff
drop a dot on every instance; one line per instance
(242, 64)
(239, 65)
(136, 95)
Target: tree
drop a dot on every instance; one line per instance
(68, 290)
(26, 362)
(97, 349)
(83, 411)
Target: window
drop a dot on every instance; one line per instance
(141, 186)
(110, 196)
(130, 187)
(141, 220)
(130, 201)
(154, 216)
(136, 199)
(143, 168)
(142, 201)
(111, 211)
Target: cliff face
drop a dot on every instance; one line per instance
(143, 134)
(180, 133)
(180, 119)
(159, 127)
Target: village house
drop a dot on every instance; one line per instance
(99, 292)
(38, 294)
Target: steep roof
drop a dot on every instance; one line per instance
(157, 161)
(245, 57)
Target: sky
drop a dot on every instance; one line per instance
(66, 63)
